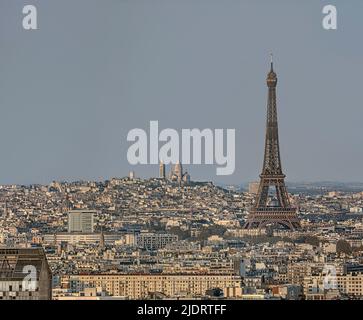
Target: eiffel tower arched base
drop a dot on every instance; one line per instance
(287, 219)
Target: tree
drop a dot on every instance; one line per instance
(312, 240)
(343, 247)
(182, 234)
(214, 230)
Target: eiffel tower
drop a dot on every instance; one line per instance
(275, 209)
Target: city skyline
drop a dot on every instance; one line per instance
(83, 98)
(181, 155)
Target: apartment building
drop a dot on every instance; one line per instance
(142, 285)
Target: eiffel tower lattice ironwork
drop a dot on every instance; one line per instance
(278, 211)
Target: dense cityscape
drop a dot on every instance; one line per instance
(165, 237)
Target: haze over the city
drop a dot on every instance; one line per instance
(71, 90)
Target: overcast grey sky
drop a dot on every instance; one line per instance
(70, 91)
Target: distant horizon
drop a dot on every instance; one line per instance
(215, 182)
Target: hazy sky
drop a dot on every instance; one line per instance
(71, 91)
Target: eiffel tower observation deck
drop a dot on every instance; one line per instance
(272, 209)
